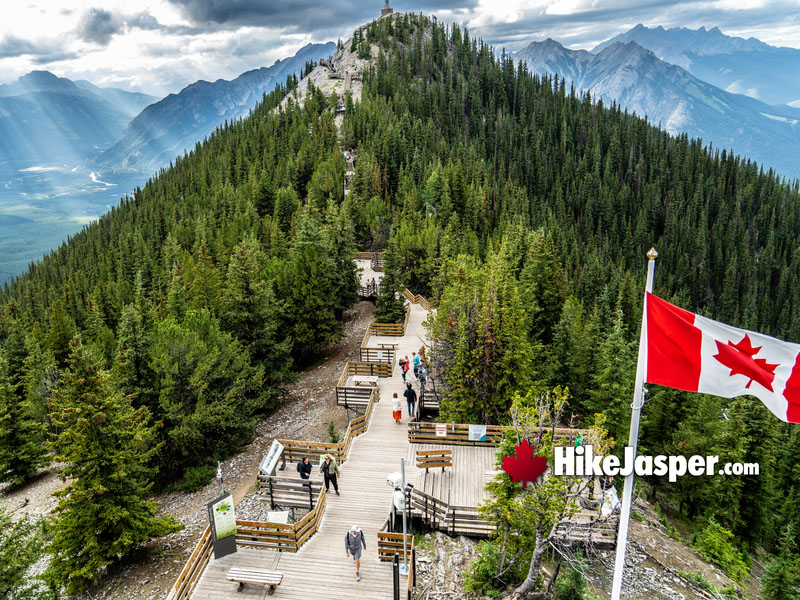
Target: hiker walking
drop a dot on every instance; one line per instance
(423, 376)
(416, 363)
(304, 468)
(353, 542)
(411, 398)
(406, 367)
(330, 471)
(403, 368)
(397, 408)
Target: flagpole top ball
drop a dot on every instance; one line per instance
(652, 254)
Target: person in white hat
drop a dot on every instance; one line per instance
(353, 541)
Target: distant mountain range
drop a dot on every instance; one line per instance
(671, 96)
(45, 118)
(176, 123)
(743, 66)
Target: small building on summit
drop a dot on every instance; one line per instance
(387, 10)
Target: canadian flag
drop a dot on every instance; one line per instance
(692, 353)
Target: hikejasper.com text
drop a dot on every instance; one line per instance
(581, 461)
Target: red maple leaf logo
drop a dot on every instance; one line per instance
(739, 359)
(524, 466)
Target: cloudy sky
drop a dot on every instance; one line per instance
(159, 46)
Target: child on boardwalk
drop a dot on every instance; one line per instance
(397, 408)
(353, 541)
(403, 368)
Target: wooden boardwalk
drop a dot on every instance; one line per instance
(320, 570)
(463, 483)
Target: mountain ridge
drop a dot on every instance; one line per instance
(636, 79)
(738, 65)
(178, 121)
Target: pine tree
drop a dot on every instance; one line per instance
(613, 381)
(105, 443)
(21, 545)
(250, 312)
(209, 393)
(782, 577)
(390, 305)
(22, 432)
(60, 334)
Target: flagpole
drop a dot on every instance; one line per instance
(633, 438)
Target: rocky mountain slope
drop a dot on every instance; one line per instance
(636, 79)
(743, 66)
(44, 117)
(176, 123)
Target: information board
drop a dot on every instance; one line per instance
(477, 433)
(270, 460)
(222, 518)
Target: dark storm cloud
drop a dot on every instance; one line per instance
(12, 46)
(589, 27)
(98, 26)
(301, 15)
(143, 20)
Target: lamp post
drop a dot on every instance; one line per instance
(404, 566)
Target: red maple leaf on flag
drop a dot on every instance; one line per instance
(739, 359)
(524, 466)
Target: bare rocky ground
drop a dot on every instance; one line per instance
(305, 414)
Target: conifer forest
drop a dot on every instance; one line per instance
(151, 342)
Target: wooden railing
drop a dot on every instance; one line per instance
(193, 569)
(417, 299)
(420, 432)
(454, 520)
(294, 450)
(354, 395)
(270, 536)
(391, 542)
(412, 571)
(289, 491)
(378, 355)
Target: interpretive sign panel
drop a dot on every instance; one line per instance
(222, 518)
(477, 433)
(270, 460)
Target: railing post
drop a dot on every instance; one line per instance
(271, 494)
(396, 576)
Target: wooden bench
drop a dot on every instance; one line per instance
(368, 379)
(431, 459)
(260, 576)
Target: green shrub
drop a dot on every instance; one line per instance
(196, 478)
(728, 593)
(333, 437)
(571, 585)
(481, 578)
(715, 544)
